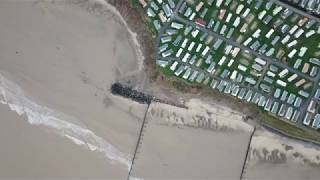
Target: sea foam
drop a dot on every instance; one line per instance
(13, 96)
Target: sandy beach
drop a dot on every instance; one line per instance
(193, 143)
(29, 152)
(57, 62)
(275, 157)
(58, 118)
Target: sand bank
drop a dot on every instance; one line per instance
(59, 59)
(57, 62)
(200, 115)
(29, 152)
(275, 157)
(194, 143)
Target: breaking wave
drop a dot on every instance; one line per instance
(13, 96)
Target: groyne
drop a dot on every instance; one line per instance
(140, 97)
(128, 92)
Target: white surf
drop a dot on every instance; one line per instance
(13, 96)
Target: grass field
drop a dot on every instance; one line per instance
(182, 85)
(289, 129)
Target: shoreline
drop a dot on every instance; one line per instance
(128, 92)
(214, 129)
(255, 118)
(133, 35)
(196, 91)
(61, 84)
(139, 32)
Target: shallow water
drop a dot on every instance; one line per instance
(58, 60)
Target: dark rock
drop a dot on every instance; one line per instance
(128, 92)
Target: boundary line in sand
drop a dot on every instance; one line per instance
(133, 35)
(139, 142)
(246, 157)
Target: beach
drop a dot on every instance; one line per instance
(58, 60)
(58, 118)
(193, 143)
(275, 157)
(29, 152)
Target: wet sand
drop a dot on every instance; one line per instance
(29, 152)
(202, 142)
(275, 157)
(57, 62)
(59, 120)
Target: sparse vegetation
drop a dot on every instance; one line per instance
(287, 128)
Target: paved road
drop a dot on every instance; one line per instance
(234, 43)
(305, 105)
(241, 85)
(315, 80)
(165, 26)
(294, 9)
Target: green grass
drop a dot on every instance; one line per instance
(288, 128)
(148, 21)
(165, 71)
(171, 77)
(179, 83)
(184, 85)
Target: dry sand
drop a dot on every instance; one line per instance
(29, 152)
(57, 62)
(275, 157)
(58, 119)
(202, 142)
